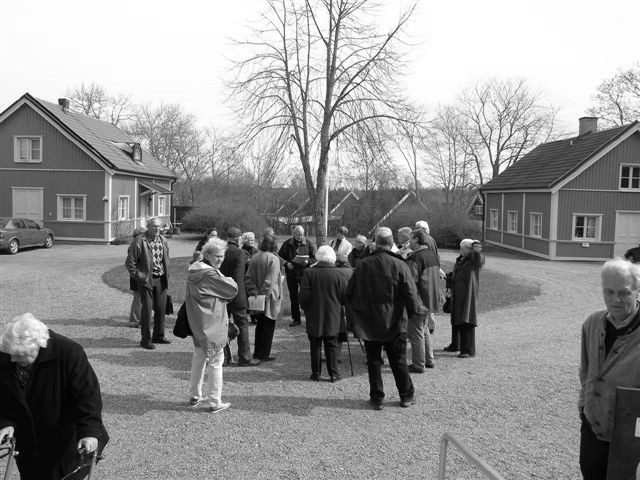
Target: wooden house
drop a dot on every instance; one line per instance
(82, 177)
(572, 199)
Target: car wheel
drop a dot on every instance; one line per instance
(14, 246)
(48, 243)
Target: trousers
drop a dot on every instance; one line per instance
(154, 298)
(211, 367)
(396, 349)
(421, 341)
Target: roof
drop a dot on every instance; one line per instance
(104, 139)
(548, 164)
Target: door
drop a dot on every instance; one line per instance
(627, 232)
(27, 203)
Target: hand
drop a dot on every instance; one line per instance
(442, 274)
(5, 434)
(87, 445)
(289, 265)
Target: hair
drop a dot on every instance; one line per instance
(466, 243)
(424, 225)
(420, 235)
(623, 267)
(343, 230)
(209, 231)
(362, 239)
(267, 243)
(152, 219)
(384, 237)
(296, 227)
(246, 236)
(212, 244)
(326, 254)
(23, 334)
(405, 230)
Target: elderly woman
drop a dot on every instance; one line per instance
(359, 250)
(463, 286)
(208, 292)
(322, 295)
(263, 278)
(49, 399)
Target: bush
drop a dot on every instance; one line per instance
(449, 226)
(222, 214)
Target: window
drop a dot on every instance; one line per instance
(586, 227)
(512, 221)
(535, 227)
(71, 207)
(630, 177)
(479, 210)
(27, 149)
(123, 208)
(31, 224)
(493, 219)
(162, 205)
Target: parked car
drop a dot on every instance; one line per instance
(17, 233)
(633, 254)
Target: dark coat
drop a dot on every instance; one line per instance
(322, 295)
(356, 255)
(464, 289)
(290, 249)
(234, 266)
(139, 261)
(380, 293)
(425, 268)
(62, 406)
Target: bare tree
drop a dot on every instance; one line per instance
(410, 143)
(317, 69)
(617, 100)
(503, 120)
(93, 100)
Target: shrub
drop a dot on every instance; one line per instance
(449, 226)
(222, 214)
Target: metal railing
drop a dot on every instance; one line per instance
(480, 464)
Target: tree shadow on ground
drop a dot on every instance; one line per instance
(114, 321)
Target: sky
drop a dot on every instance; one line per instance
(178, 51)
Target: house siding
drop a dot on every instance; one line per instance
(576, 250)
(538, 203)
(493, 202)
(492, 236)
(536, 245)
(512, 202)
(512, 240)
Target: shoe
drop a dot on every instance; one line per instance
(465, 355)
(376, 404)
(414, 369)
(218, 408)
(250, 363)
(430, 365)
(407, 402)
(314, 378)
(450, 348)
(133, 325)
(148, 345)
(194, 401)
(162, 340)
(267, 359)
(335, 378)
(295, 323)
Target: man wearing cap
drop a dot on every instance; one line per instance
(298, 253)
(148, 262)
(234, 266)
(341, 244)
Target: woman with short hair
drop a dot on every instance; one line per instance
(207, 294)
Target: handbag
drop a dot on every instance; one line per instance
(168, 307)
(182, 329)
(446, 306)
(257, 303)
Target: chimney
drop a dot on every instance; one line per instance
(587, 125)
(64, 103)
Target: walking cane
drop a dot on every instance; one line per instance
(349, 350)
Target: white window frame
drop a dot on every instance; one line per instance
(123, 213)
(16, 148)
(479, 209)
(512, 222)
(162, 205)
(535, 224)
(494, 215)
(77, 197)
(632, 167)
(598, 227)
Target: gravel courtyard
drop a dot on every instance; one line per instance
(514, 404)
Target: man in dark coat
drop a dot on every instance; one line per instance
(298, 253)
(50, 399)
(359, 250)
(380, 293)
(234, 266)
(322, 295)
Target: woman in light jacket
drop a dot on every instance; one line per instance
(208, 292)
(264, 278)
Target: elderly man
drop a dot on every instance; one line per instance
(297, 253)
(404, 235)
(50, 399)
(359, 250)
(610, 358)
(148, 263)
(234, 266)
(380, 293)
(341, 244)
(322, 295)
(431, 243)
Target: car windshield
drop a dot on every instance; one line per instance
(3, 221)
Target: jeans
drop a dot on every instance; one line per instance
(330, 352)
(264, 336)
(594, 454)
(397, 354)
(202, 364)
(293, 284)
(154, 297)
(244, 347)
(421, 342)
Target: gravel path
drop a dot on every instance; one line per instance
(514, 404)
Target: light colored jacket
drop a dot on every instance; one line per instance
(344, 248)
(207, 295)
(599, 376)
(264, 278)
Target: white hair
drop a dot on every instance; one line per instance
(247, 236)
(23, 334)
(624, 268)
(326, 254)
(384, 237)
(362, 239)
(466, 243)
(424, 225)
(214, 244)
